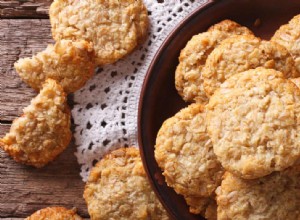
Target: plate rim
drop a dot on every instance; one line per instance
(167, 41)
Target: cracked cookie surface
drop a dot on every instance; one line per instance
(188, 79)
(118, 188)
(184, 152)
(69, 63)
(276, 196)
(54, 213)
(241, 53)
(115, 28)
(288, 35)
(43, 131)
(254, 123)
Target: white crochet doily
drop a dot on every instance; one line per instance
(105, 110)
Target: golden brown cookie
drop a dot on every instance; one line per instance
(69, 63)
(241, 53)
(114, 27)
(185, 154)
(188, 80)
(43, 131)
(254, 123)
(296, 81)
(54, 213)
(230, 27)
(276, 196)
(288, 35)
(118, 188)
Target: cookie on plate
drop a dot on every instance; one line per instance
(114, 27)
(54, 213)
(69, 63)
(276, 196)
(254, 123)
(230, 27)
(118, 188)
(288, 35)
(43, 131)
(185, 154)
(241, 53)
(188, 80)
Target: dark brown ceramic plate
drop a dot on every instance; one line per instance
(159, 99)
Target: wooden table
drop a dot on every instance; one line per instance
(25, 30)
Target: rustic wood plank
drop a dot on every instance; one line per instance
(25, 189)
(24, 8)
(19, 38)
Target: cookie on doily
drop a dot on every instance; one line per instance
(188, 79)
(185, 154)
(114, 27)
(254, 123)
(108, 103)
(54, 213)
(276, 196)
(43, 131)
(288, 35)
(241, 53)
(118, 187)
(69, 63)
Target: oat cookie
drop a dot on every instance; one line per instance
(276, 196)
(288, 35)
(254, 123)
(118, 188)
(114, 27)
(54, 213)
(43, 131)
(296, 81)
(192, 58)
(184, 152)
(241, 53)
(69, 63)
(230, 27)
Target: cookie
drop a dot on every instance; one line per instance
(276, 196)
(54, 213)
(288, 35)
(185, 154)
(241, 53)
(254, 123)
(118, 188)
(296, 81)
(115, 28)
(188, 80)
(230, 27)
(43, 131)
(69, 63)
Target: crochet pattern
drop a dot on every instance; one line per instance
(105, 110)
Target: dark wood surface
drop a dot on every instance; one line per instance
(24, 8)
(25, 30)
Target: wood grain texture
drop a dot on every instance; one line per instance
(24, 8)
(24, 189)
(19, 38)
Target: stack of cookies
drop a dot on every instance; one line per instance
(235, 152)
